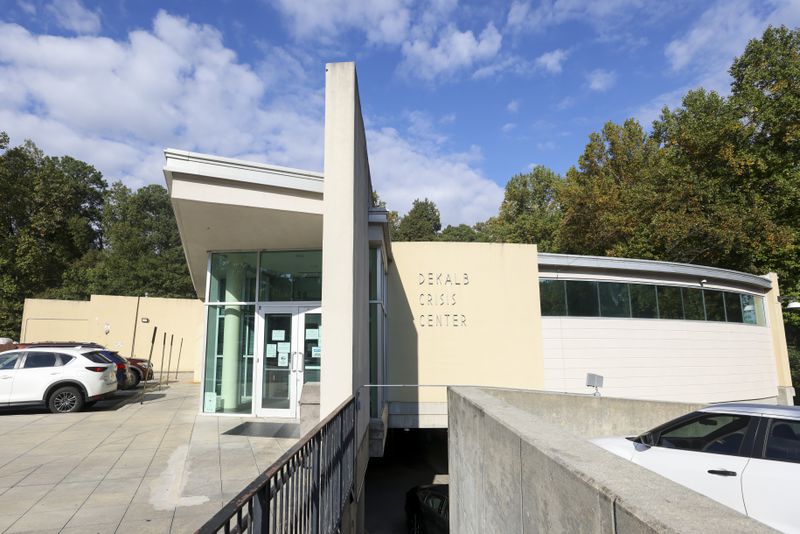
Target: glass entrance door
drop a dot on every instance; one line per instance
(288, 356)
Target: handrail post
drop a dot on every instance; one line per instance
(260, 519)
(315, 483)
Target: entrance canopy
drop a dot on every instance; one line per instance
(224, 204)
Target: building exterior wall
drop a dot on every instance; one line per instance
(687, 361)
(460, 313)
(345, 242)
(111, 320)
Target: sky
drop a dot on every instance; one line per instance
(457, 97)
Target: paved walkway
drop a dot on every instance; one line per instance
(157, 467)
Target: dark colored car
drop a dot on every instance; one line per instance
(427, 509)
(125, 377)
(142, 369)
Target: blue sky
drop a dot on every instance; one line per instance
(457, 96)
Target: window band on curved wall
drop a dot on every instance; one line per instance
(586, 298)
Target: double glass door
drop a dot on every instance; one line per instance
(288, 354)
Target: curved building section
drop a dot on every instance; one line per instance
(659, 330)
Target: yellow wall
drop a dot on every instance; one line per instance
(463, 313)
(110, 321)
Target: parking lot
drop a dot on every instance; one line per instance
(122, 466)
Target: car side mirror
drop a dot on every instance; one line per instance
(648, 438)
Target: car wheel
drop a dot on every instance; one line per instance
(65, 400)
(136, 379)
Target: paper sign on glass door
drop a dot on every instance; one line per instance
(312, 334)
(316, 352)
(283, 359)
(284, 347)
(272, 350)
(278, 335)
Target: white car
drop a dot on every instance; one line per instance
(745, 456)
(63, 379)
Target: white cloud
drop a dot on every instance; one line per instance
(403, 170)
(71, 15)
(601, 80)
(383, 21)
(513, 106)
(117, 104)
(606, 16)
(708, 48)
(565, 103)
(551, 61)
(454, 51)
(546, 145)
(27, 7)
(722, 32)
(508, 127)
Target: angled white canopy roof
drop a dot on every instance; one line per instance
(227, 204)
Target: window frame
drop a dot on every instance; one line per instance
(765, 429)
(746, 448)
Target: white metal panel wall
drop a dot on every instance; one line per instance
(690, 361)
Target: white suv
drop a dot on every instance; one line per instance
(64, 379)
(745, 456)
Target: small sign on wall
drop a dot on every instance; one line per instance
(210, 402)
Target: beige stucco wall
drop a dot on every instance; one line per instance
(110, 321)
(345, 242)
(461, 313)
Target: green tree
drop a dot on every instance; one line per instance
(607, 200)
(421, 223)
(49, 218)
(462, 232)
(530, 212)
(143, 252)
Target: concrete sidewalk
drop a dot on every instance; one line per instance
(157, 467)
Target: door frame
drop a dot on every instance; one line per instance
(296, 357)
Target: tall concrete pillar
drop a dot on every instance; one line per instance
(774, 310)
(231, 349)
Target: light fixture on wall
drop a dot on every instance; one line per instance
(791, 303)
(145, 320)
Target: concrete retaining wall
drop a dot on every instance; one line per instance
(515, 468)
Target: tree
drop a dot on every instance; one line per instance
(49, 218)
(530, 212)
(392, 216)
(421, 223)
(607, 200)
(462, 232)
(143, 252)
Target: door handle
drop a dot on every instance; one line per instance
(722, 472)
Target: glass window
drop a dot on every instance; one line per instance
(8, 361)
(783, 441)
(96, 357)
(748, 309)
(643, 301)
(233, 277)
(693, 304)
(715, 305)
(552, 298)
(582, 299)
(614, 299)
(733, 307)
(35, 360)
(291, 275)
(65, 359)
(373, 274)
(230, 338)
(312, 353)
(761, 319)
(716, 433)
(670, 303)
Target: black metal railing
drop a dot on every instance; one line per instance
(305, 490)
